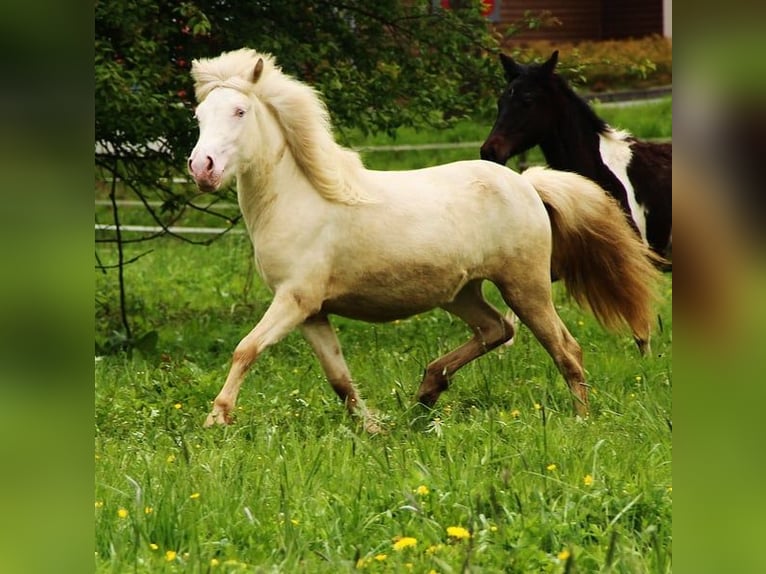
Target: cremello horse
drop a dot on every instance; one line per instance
(331, 237)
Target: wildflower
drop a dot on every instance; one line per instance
(515, 413)
(148, 510)
(214, 562)
(122, 513)
(433, 549)
(551, 467)
(493, 528)
(177, 406)
(638, 378)
(153, 546)
(581, 322)
(405, 542)
(171, 458)
(563, 555)
(295, 521)
(408, 565)
(99, 503)
(195, 495)
(432, 571)
(170, 555)
(538, 406)
(587, 480)
(458, 532)
(422, 490)
(381, 557)
(362, 562)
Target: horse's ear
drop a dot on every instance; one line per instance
(257, 70)
(511, 68)
(550, 65)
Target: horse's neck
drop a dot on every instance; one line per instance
(570, 147)
(576, 146)
(271, 194)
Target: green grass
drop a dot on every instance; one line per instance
(295, 486)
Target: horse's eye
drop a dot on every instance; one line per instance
(239, 112)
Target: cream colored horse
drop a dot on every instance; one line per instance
(331, 237)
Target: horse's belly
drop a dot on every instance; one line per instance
(394, 294)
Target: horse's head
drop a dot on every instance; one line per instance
(226, 116)
(526, 109)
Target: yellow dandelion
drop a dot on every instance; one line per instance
(422, 490)
(515, 413)
(405, 542)
(214, 562)
(670, 489)
(587, 480)
(153, 546)
(148, 510)
(171, 458)
(195, 495)
(381, 557)
(177, 406)
(432, 571)
(361, 563)
(122, 513)
(458, 532)
(551, 467)
(581, 323)
(538, 406)
(170, 555)
(295, 521)
(638, 378)
(99, 504)
(408, 565)
(493, 528)
(563, 555)
(433, 549)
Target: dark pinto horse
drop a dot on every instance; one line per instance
(539, 108)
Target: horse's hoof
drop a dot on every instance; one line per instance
(217, 418)
(372, 427)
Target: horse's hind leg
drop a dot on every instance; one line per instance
(490, 329)
(534, 306)
(320, 335)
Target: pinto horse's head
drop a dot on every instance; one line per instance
(526, 110)
(226, 119)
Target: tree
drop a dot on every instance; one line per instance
(379, 65)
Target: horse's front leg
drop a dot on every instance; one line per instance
(321, 336)
(286, 312)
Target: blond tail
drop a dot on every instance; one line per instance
(603, 263)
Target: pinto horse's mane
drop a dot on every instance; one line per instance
(585, 115)
(300, 112)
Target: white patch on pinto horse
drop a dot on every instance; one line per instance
(616, 154)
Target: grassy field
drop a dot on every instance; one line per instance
(500, 477)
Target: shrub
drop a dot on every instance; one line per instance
(603, 65)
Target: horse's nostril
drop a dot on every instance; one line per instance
(209, 166)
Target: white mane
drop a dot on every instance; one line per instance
(301, 113)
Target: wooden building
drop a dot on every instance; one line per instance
(583, 19)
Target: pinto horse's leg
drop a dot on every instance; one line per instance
(323, 340)
(284, 314)
(490, 329)
(534, 306)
